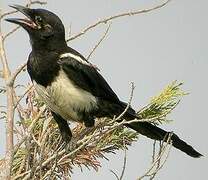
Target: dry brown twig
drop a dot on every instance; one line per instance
(10, 112)
(156, 164)
(106, 20)
(124, 163)
(15, 74)
(23, 95)
(128, 104)
(124, 166)
(10, 32)
(115, 174)
(99, 42)
(3, 15)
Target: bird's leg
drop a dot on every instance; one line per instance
(89, 123)
(70, 143)
(63, 127)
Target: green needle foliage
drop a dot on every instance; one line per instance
(40, 152)
(163, 104)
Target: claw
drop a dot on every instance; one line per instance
(71, 146)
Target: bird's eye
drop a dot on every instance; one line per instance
(38, 19)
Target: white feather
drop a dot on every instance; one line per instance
(65, 98)
(76, 57)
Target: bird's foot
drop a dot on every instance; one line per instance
(71, 145)
(86, 132)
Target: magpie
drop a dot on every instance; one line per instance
(70, 86)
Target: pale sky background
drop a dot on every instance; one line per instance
(151, 50)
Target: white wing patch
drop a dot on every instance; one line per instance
(76, 57)
(64, 98)
(79, 59)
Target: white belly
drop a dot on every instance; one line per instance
(65, 99)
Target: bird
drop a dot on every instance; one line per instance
(71, 87)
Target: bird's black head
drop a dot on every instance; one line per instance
(44, 27)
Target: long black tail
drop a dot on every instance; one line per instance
(157, 133)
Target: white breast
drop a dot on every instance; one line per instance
(64, 98)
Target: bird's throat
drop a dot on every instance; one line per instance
(48, 44)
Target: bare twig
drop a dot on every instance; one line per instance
(15, 74)
(50, 171)
(35, 2)
(129, 102)
(124, 163)
(7, 13)
(20, 175)
(30, 128)
(27, 5)
(70, 30)
(105, 20)
(10, 111)
(10, 32)
(159, 157)
(99, 42)
(22, 96)
(1, 74)
(114, 173)
(153, 151)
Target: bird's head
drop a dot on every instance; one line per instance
(42, 25)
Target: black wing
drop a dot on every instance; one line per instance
(84, 75)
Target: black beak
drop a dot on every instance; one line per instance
(25, 23)
(22, 9)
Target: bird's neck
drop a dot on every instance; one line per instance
(48, 45)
